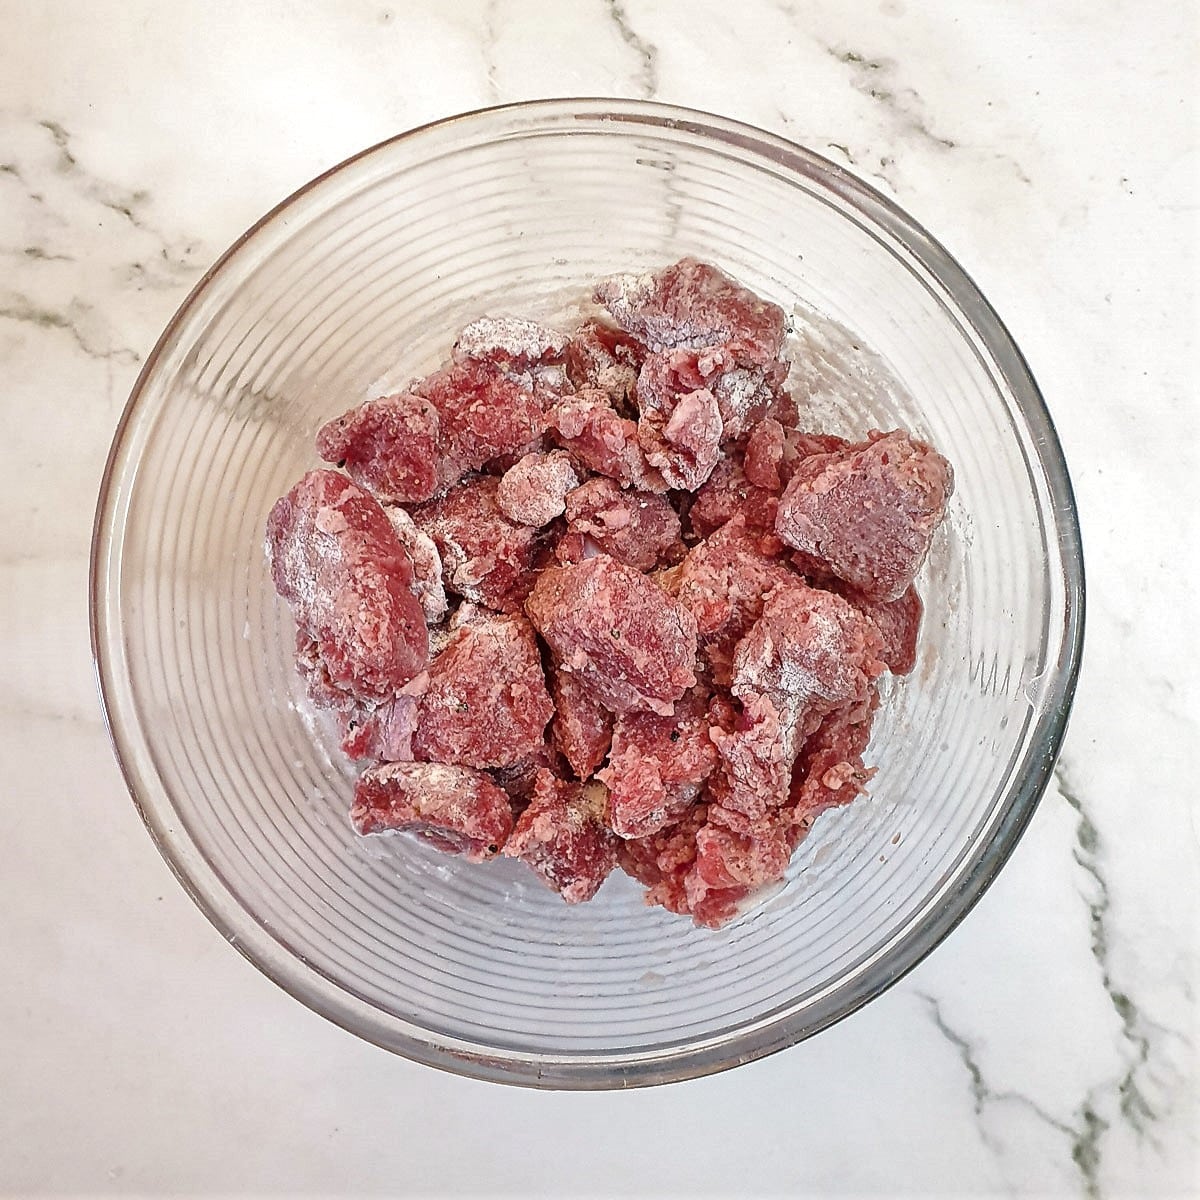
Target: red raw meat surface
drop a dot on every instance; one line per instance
(337, 562)
(562, 836)
(389, 446)
(484, 413)
(868, 513)
(829, 772)
(599, 439)
(657, 608)
(686, 446)
(640, 529)
(765, 451)
(486, 704)
(744, 395)
(582, 725)
(618, 633)
(662, 860)
(486, 558)
(657, 765)
(457, 809)
(727, 493)
(607, 359)
(730, 867)
(898, 622)
(810, 652)
(534, 489)
(723, 583)
(694, 304)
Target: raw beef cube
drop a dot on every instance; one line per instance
(898, 622)
(657, 766)
(484, 414)
(727, 860)
(667, 375)
(637, 528)
(765, 450)
(486, 558)
(336, 560)
(384, 732)
(772, 453)
(618, 633)
(457, 809)
(669, 864)
(310, 666)
(809, 653)
(743, 394)
(562, 836)
(725, 493)
(533, 491)
(598, 439)
(756, 760)
(390, 447)
(599, 356)
(694, 304)
(487, 703)
(722, 583)
(829, 771)
(746, 395)
(868, 513)
(511, 343)
(680, 427)
(426, 563)
(687, 446)
(801, 444)
(518, 779)
(661, 861)
(582, 725)
(714, 908)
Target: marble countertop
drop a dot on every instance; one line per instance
(1049, 1046)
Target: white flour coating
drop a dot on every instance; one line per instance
(447, 793)
(426, 562)
(513, 336)
(534, 490)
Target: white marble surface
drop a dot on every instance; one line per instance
(1049, 1047)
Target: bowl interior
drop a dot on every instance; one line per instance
(357, 285)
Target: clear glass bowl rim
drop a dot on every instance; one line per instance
(756, 1041)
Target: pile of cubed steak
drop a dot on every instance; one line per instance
(596, 599)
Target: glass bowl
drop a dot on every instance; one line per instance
(360, 280)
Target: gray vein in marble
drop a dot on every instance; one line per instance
(35, 254)
(648, 54)
(1125, 1096)
(979, 1089)
(66, 160)
(1134, 1106)
(10, 170)
(1084, 1140)
(122, 201)
(874, 77)
(15, 307)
